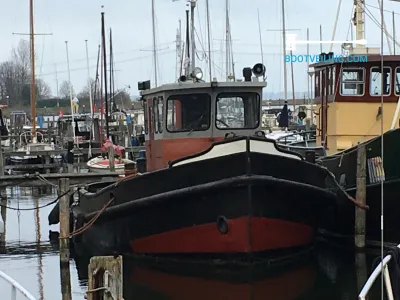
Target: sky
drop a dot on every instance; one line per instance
(131, 21)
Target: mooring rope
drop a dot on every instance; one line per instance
(90, 223)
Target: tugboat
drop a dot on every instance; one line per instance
(214, 186)
(348, 97)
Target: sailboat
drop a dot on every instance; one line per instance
(101, 164)
(32, 140)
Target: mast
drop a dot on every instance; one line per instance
(284, 51)
(112, 100)
(154, 42)
(261, 45)
(103, 36)
(178, 50)
(70, 93)
(33, 80)
(193, 44)
(227, 64)
(187, 55)
(89, 83)
(209, 38)
(359, 22)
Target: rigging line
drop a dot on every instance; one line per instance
(108, 56)
(383, 10)
(382, 152)
(377, 23)
(117, 62)
(198, 18)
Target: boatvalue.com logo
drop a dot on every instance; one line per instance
(299, 58)
(291, 43)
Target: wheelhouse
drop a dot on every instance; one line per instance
(185, 118)
(348, 97)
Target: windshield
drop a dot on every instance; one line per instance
(188, 112)
(238, 111)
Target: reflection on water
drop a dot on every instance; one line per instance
(30, 255)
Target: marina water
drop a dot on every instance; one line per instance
(30, 256)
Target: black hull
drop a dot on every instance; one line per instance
(339, 221)
(232, 205)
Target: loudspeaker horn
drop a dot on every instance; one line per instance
(259, 70)
(183, 78)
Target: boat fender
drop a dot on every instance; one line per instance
(79, 222)
(222, 225)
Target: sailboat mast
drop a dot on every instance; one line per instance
(284, 51)
(89, 83)
(103, 35)
(111, 75)
(209, 38)
(193, 44)
(227, 40)
(153, 16)
(33, 83)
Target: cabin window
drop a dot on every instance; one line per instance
(187, 113)
(352, 82)
(146, 117)
(397, 81)
(160, 116)
(155, 110)
(375, 82)
(237, 111)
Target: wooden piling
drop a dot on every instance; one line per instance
(361, 195)
(64, 240)
(105, 279)
(2, 161)
(4, 217)
(111, 158)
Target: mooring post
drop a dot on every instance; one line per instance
(3, 230)
(105, 280)
(64, 239)
(111, 158)
(360, 224)
(2, 162)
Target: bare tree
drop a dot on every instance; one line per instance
(64, 90)
(123, 99)
(15, 77)
(43, 90)
(84, 93)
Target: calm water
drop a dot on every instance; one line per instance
(30, 258)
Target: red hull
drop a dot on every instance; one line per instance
(265, 234)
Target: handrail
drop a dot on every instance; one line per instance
(375, 274)
(16, 286)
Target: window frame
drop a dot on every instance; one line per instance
(160, 100)
(238, 94)
(171, 98)
(395, 77)
(355, 82)
(390, 81)
(146, 116)
(155, 110)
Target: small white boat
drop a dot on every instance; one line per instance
(102, 165)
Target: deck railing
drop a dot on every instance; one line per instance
(383, 265)
(15, 286)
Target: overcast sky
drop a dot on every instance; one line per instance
(76, 21)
